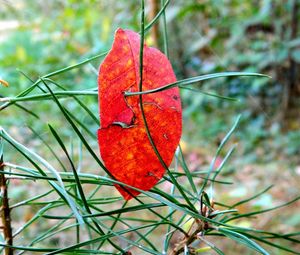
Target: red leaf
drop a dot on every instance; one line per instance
(124, 144)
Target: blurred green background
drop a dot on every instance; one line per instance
(40, 36)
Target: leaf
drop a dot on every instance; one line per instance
(4, 83)
(124, 145)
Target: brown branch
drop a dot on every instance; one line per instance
(154, 9)
(190, 239)
(5, 212)
(293, 77)
(196, 229)
(290, 88)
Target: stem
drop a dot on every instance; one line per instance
(154, 9)
(293, 64)
(289, 91)
(5, 212)
(187, 241)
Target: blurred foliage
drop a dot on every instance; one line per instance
(205, 36)
(254, 36)
(48, 35)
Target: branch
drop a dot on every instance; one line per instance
(5, 211)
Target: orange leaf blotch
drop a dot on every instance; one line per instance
(124, 145)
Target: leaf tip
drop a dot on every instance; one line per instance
(4, 83)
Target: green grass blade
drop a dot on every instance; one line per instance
(252, 197)
(125, 210)
(212, 246)
(209, 93)
(164, 28)
(171, 211)
(81, 124)
(240, 238)
(80, 93)
(78, 183)
(68, 68)
(224, 161)
(189, 81)
(187, 171)
(38, 136)
(27, 201)
(222, 144)
(272, 244)
(48, 96)
(27, 111)
(60, 188)
(144, 116)
(57, 72)
(263, 211)
(81, 137)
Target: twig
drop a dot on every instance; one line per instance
(154, 9)
(190, 239)
(5, 212)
